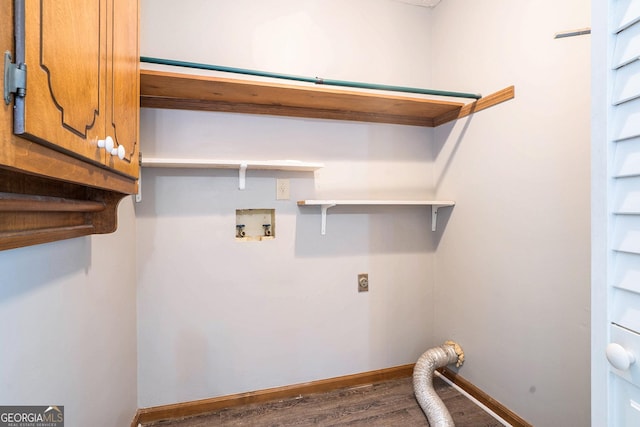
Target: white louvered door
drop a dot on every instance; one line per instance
(616, 214)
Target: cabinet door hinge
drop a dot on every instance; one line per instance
(15, 78)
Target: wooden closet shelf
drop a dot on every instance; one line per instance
(161, 89)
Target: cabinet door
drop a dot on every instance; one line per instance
(82, 78)
(123, 93)
(64, 49)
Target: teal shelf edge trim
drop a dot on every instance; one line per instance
(316, 80)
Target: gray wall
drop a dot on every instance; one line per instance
(511, 277)
(67, 326)
(217, 316)
(512, 281)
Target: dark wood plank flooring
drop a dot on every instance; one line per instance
(385, 404)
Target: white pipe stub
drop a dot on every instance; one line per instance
(432, 359)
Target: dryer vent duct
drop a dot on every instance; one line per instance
(432, 359)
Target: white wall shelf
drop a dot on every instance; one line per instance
(241, 165)
(326, 204)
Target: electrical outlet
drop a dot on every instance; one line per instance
(363, 282)
(282, 189)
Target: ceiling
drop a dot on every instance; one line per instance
(425, 3)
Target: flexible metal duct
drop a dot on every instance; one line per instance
(432, 359)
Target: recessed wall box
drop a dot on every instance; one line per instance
(255, 224)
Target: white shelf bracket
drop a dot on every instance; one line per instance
(138, 195)
(434, 217)
(323, 228)
(242, 175)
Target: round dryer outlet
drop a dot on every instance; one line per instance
(363, 282)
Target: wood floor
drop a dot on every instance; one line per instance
(385, 404)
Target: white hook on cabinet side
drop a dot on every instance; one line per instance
(619, 357)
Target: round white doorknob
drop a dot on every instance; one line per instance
(104, 143)
(120, 151)
(619, 357)
(109, 145)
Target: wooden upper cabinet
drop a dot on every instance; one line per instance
(82, 79)
(82, 86)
